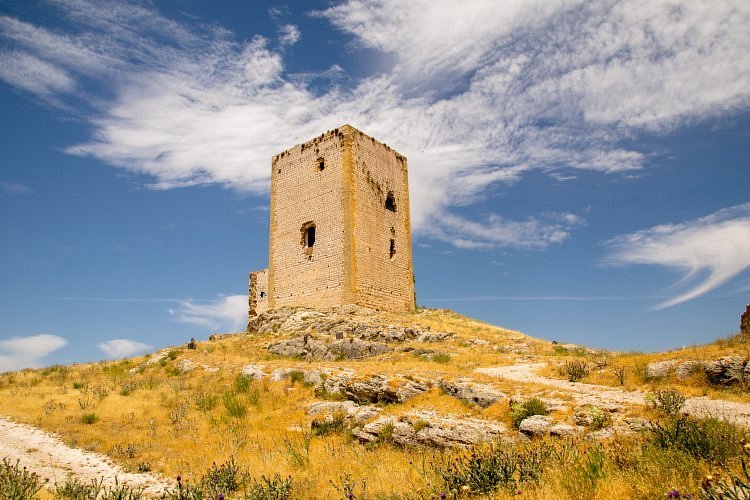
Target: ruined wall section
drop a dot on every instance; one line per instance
(258, 287)
(303, 193)
(383, 253)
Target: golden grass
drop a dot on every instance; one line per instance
(153, 415)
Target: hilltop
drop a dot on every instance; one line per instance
(404, 405)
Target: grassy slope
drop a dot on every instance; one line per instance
(177, 423)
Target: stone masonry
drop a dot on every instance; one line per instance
(340, 228)
(745, 321)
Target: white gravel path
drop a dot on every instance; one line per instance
(48, 456)
(590, 393)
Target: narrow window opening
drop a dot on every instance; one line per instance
(393, 248)
(321, 164)
(308, 238)
(262, 294)
(390, 202)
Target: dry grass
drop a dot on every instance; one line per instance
(175, 423)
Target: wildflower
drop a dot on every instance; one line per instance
(673, 494)
(443, 496)
(220, 497)
(519, 492)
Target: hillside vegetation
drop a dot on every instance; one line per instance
(350, 403)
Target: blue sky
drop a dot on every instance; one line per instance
(578, 169)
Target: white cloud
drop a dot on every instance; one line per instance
(499, 232)
(28, 352)
(289, 34)
(226, 313)
(474, 93)
(122, 348)
(708, 251)
(14, 188)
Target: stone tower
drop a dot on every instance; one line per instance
(340, 231)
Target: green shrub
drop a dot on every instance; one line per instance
(521, 410)
(75, 489)
(235, 407)
(266, 488)
(667, 401)
(441, 357)
(328, 425)
(205, 402)
(576, 370)
(297, 376)
(709, 439)
(18, 483)
(89, 418)
(241, 383)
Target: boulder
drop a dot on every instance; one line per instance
(310, 348)
(536, 425)
(659, 369)
(472, 392)
(253, 372)
(185, 366)
(727, 370)
(353, 412)
(429, 429)
(372, 388)
(563, 430)
(686, 369)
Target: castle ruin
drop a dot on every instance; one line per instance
(340, 230)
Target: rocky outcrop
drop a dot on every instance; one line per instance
(687, 369)
(429, 429)
(727, 370)
(309, 377)
(472, 392)
(372, 388)
(310, 348)
(659, 369)
(253, 372)
(346, 322)
(535, 425)
(354, 414)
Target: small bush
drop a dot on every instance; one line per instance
(727, 488)
(441, 357)
(89, 418)
(75, 489)
(667, 401)
(619, 373)
(576, 370)
(127, 387)
(222, 479)
(241, 383)
(296, 376)
(266, 488)
(18, 483)
(328, 425)
(205, 402)
(143, 467)
(521, 410)
(710, 438)
(235, 407)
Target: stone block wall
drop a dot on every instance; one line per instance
(258, 293)
(745, 321)
(353, 192)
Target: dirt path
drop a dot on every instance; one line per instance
(591, 394)
(49, 457)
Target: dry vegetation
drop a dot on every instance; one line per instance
(153, 417)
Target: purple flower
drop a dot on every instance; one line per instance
(519, 492)
(220, 497)
(673, 494)
(179, 478)
(442, 496)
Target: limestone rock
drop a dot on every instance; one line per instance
(429, 429)
(372, 388)
(310, 348)
(727, 370)
(158, 356)
(353, 412)
(536, 425)
(687, 368)
(185, 366)
(253, 372)
(564, 430)
(659, 369)
(471, 392)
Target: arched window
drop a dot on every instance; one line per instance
(393, 249)
(321, 163)
(390, 202)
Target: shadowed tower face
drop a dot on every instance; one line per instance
(340, 231)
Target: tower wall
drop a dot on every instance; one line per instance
(303, 193)
(339, 182)
(384, 281)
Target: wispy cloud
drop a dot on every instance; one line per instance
(15, 189)
(475, 93)
(228, 313)
(28, 352)
(708, 251)
(122, 348)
